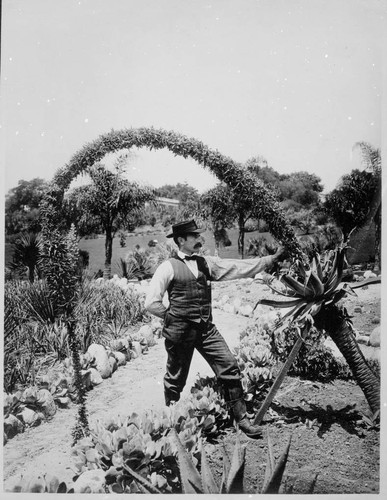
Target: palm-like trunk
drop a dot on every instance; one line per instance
(107, 272)
(334, 321)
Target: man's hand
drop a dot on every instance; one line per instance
(280, 252)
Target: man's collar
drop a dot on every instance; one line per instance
(183, 255)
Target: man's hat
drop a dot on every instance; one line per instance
(182, 228)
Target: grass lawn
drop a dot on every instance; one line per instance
(96, 247)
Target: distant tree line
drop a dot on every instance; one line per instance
(112, 205)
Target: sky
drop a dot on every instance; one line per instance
(298, 82)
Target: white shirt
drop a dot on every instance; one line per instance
(156, 301)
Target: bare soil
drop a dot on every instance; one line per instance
(325, 437)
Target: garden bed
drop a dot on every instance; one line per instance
(327, 440)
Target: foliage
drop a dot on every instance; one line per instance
(349, 203)
(27, 249)
(256, 362)
(141, 442)
(315, 360)
(188, 196)
(224, 168)
(196, 481)
(314, 291)
(302, 187)
(22, 206)
(108, 203)
(105, 307)
(138, 264)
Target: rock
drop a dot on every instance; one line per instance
(95, 376)
(113, 363)
(229, 308)
(362, 339)
(90, 481)
(369, 274)
(224, 299)
(30, 417)
(120, 357)
(374, 339)
(116, 345)
(12, 426)
(246, 310)
(237, 303)
(137, 348)
(101, 359)
(47, 403)
(147, 333)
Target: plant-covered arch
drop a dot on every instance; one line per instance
(223, 167)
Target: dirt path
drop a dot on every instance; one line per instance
(135, 387)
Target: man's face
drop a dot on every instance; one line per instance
(191, 243)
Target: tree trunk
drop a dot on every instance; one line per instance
(334, 321)
(241, 237)
(107, 272)
(378, 239)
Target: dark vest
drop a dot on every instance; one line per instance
(190, 297)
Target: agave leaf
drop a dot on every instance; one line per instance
(333, 268)
(226, 469)
(279, 304)
(316, 266)
(369, 281)
(141, 480)
(190, 479)
(315, 283)
(208, 481)
(296, 286)
(274, 483)
(270, 463)
(234, 483)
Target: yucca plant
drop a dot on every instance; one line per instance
(193, 481)
(315, 293)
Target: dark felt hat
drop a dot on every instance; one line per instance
(185, 227)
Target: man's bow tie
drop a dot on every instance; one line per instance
(192, 257)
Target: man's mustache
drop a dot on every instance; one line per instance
(197, 245)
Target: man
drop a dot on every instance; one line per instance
(188, 318)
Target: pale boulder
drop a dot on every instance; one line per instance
(120, 357)
(95, 376)
(101, 358)
(47, 402)
(12, 426)
(146, 332)
(374, 340)
(30, 417)
(90, 481)
(246, 310)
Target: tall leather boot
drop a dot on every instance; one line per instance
(238, 408)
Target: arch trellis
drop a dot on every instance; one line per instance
(223, 167)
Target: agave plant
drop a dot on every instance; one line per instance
(193, 481)
(314, 294)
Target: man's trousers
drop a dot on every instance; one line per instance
(181, 338)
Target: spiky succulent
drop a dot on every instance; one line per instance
(315, 287)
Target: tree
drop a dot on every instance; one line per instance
(258, 165)
(301, 187)
(356, 202)
(22, 206)
(108, 202)
(216, 207)
(27, 255)
(373, 162)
